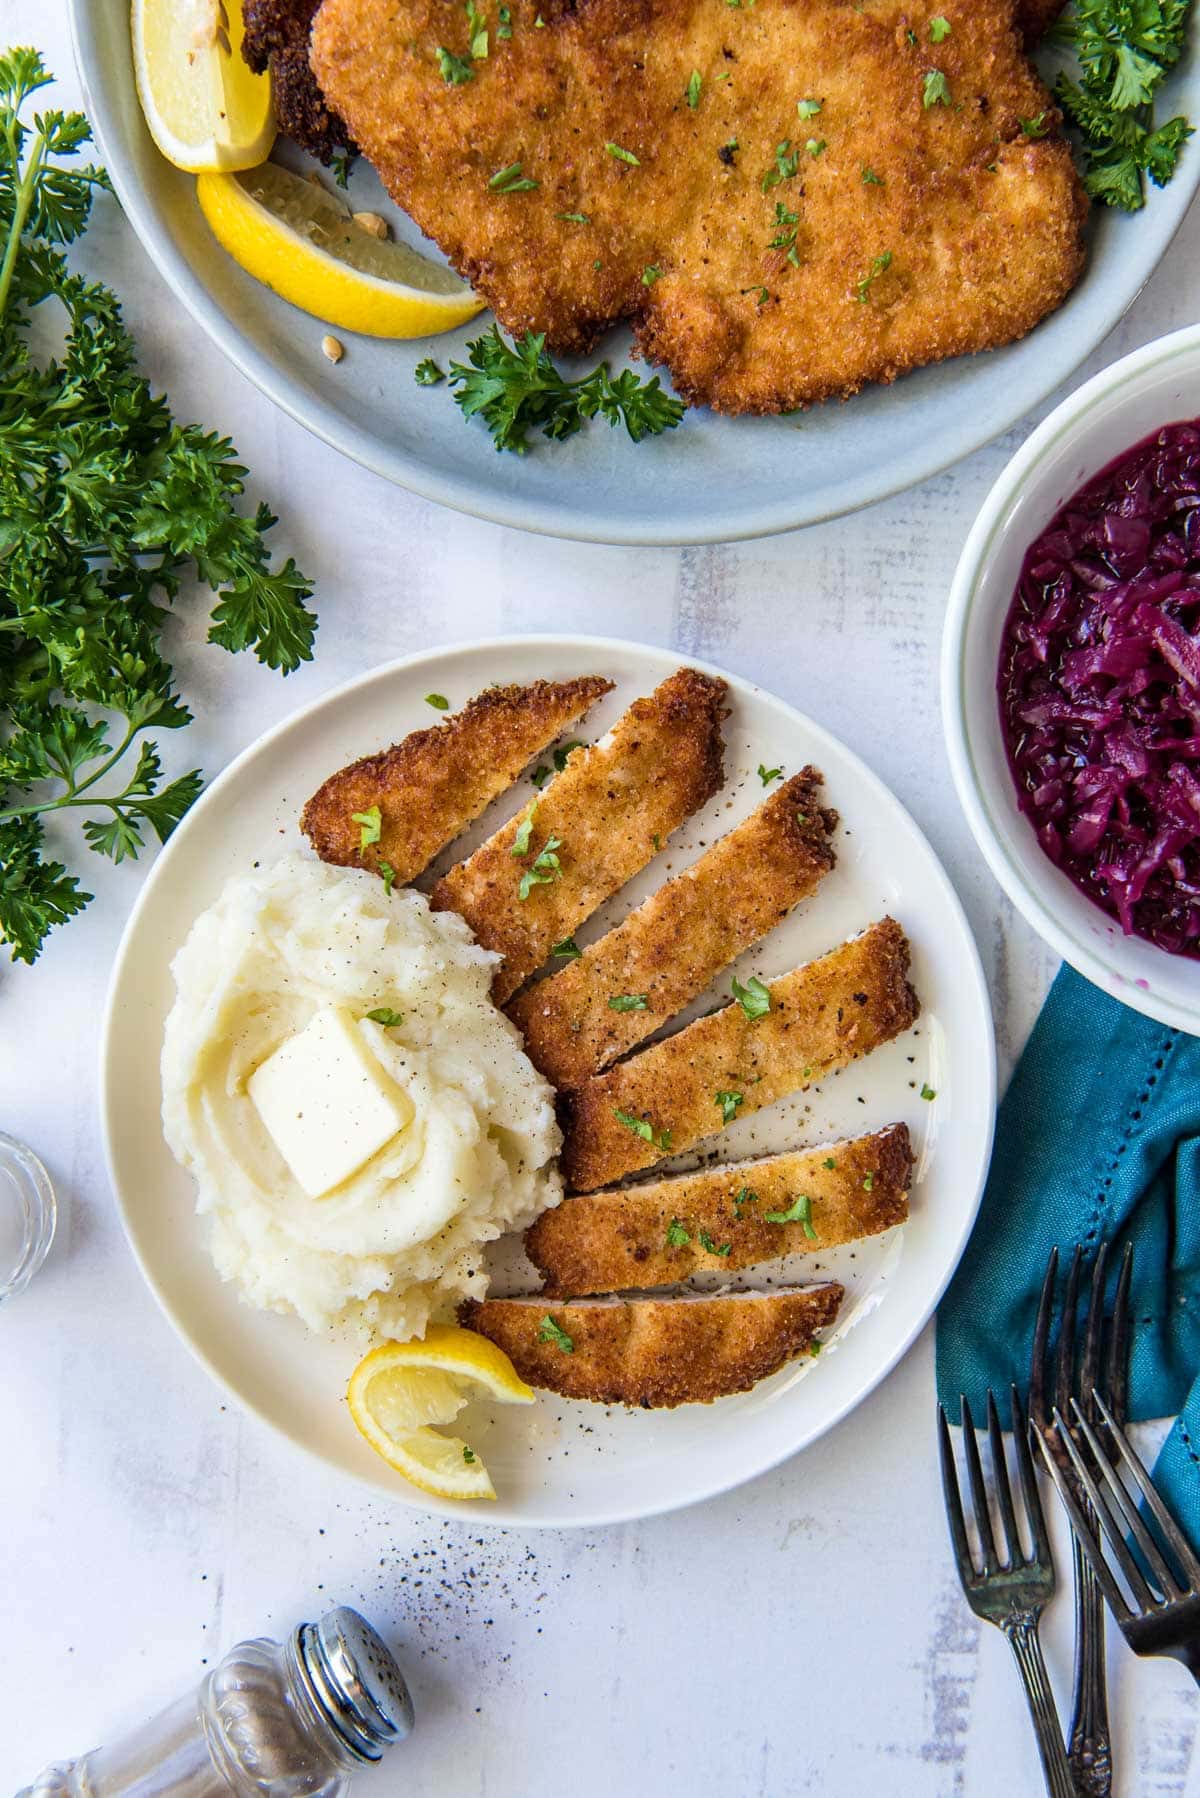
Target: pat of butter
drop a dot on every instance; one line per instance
(326, 1102)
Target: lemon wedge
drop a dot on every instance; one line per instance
(296, 238)
(205, 107)
(400, 1390)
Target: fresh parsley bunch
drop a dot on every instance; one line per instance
(106, 505)
(1125, 48)
(516, 389)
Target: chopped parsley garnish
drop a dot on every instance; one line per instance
(677, 1236)
(641, 1128)
(725, 75)
(540, 776)
(808, 109)
(546, 868)
(371, 822)
(767, 775)
(563, 752)
(729, 1103)
(468, 1455)
(787, 163)
(753, 998)
(438, 701)
(935, 90)
(511, 181)
(829, 1162)
(477, 26)
(879, 266)
(744, 1197)
(707, 1243)
(623, 155)
(928, 1092)
(785, 235)
(910, 37)
(427, 373)
(651, 274)
(516, 388)
(656, 840)
(539, 24)
(939, 28)
(341, 168)
(695, 83)
(868, 1182)
(1124, 52)
(573, 218)
(870, 178)
(761, 294)
(504, 28)
(389, 876)
(1036, 126)
(383, 1014)
(456, 70)
(815, 146)
(799, 1213)
(549, 1331)
(628, 1002)
(520, 845)
(567, 950)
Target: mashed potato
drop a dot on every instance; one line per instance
(400, 1238)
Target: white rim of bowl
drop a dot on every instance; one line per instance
(507, 1519)
(965, 601)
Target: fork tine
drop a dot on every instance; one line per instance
(1116, 1382)
(1113, 1532)
(983, 1517)
(1085, 1534)
(1029, 1489)
(1064, 1368)
(1174, 1536)
(1041, 1338)
(1090, 1371)
(953, 1498)
(1136, 1525)
(1015, 1554)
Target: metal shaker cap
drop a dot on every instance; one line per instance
(357, 1681)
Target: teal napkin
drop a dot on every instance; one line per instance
(1098, 1137)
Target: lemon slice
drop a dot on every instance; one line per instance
(296, 238)
(401, 1389)
(205, 108)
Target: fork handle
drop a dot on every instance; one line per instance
(1022, 1632)
(1090, 1747)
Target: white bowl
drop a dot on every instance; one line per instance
(1155, 386)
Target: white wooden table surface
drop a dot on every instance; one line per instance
(806, 1633)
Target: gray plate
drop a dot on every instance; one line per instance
(709, 481)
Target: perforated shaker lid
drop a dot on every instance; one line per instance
(358, 1681)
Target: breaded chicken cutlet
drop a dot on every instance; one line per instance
(676, 1093)
(436, 782)
(276, 37)
(594, 827)
(769, 258)
(720, 1219)
(656, 1353)
(668, 950)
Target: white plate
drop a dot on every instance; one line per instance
(559, 1462)
(711, 480)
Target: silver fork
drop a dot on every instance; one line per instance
(1089, 1742)
(1011, 1593)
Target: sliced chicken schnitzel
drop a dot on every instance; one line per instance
(593, 828)
(642, 973)
(435, 783)
(656, 1353)
(788, 199)
(686, 1088)
(718, 1219)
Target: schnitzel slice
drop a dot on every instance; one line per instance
(664, 953)
(656, 1353)
(788, 199)
(593, 828)
(677, 1092)
(723, 1218)
(435, 783)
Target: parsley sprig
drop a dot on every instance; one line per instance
(107, 506)
(515, 389)
(1125, 48)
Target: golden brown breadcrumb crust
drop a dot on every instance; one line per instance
(822, 1016)
(656, 1234)
(610, 809)
(657, 1353)
(768, 259)
(276, 38)
(435, 783)
(668, 950)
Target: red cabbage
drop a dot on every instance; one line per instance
(1099, 688)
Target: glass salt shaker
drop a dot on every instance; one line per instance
(27, 1215)
(284, 1720)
